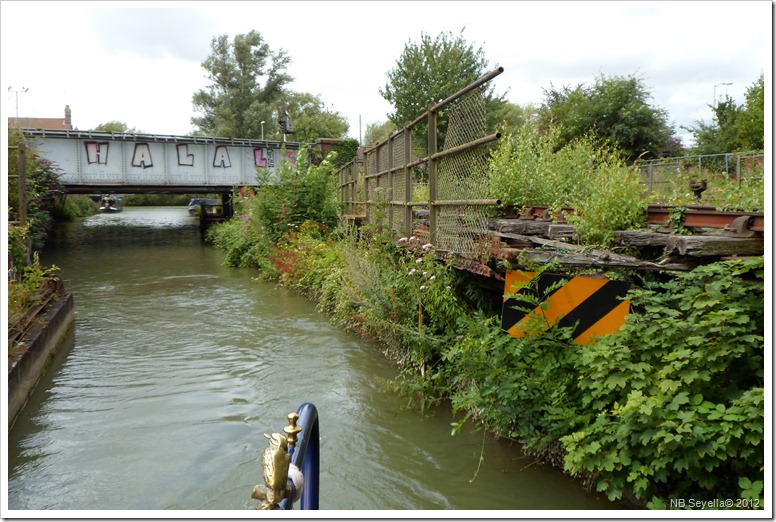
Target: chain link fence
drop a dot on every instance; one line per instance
(407, 184)
(666, 175)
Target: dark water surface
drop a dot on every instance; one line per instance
(178, 366)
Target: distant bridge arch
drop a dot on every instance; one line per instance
(127, 163)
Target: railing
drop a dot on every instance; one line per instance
(407, 172)
(661, 175)
(306, 457)
(291, 465)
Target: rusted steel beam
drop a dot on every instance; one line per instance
(705, 217)
(694, 216)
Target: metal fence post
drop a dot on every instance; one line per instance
(23, 203)
(391, 180)
(366, 189)
(738, 170)
(407, 181)
(432, 174)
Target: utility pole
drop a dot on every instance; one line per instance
(22, 90)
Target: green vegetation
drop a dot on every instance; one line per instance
(671, 406)
(282, 204)
(734, 128)
(236, 101)
(45, 202)
(616, 112)
(248, 92)
(533, 168)
(159, 200)
(377, 132)
(429, 71)
(116, 126)
(74, 206)
(43, 190)
(24, 287)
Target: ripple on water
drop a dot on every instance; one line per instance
(180, 364)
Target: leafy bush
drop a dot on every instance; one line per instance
(528, 169)
(670, 406)
(244, 242)
(24, 292)
(42, 184)
(74, 207)
(675, 399)
(297, 193)
(158, 200)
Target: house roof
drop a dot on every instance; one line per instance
(40, 123)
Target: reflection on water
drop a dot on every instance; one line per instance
(179, 365)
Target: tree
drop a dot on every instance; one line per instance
(115, 126)
(378, 132)
(248, 81)
(310, 119)
(615, 110)
(510, 117)
(429, 72)
(719, 137)
(751, 123)
(734, 128)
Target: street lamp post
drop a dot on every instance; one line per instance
(715, 92)
(262, 130)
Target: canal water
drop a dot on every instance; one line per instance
(179, 364)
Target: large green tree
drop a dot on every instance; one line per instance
(615, 110)
(430, 71)
(751, 123)
(734, 128)
(719, 136)
(247, 84)
(310, 119)
(378, 132)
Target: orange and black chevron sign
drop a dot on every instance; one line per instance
(595, 306)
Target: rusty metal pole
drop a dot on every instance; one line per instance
(432, 174)
(366, 188)
(407, 181)
(391, 181)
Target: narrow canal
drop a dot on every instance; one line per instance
(178, 366)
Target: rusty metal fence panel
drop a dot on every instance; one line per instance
(462, 177)
(408, 182)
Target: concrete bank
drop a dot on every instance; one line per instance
(43, 343)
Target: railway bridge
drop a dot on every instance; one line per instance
(127, 163)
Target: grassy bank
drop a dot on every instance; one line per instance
(671, 407)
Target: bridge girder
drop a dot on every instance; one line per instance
(125, 163)
(147, 189)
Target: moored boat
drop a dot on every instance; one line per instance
(110, 204)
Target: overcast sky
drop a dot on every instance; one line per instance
(140, 63)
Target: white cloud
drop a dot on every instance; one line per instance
(139, 62)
